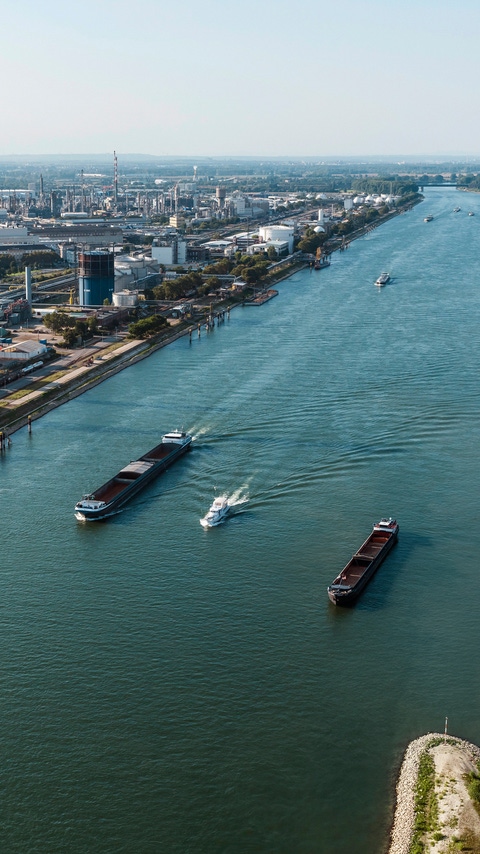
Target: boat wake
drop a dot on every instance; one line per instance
(240, 496)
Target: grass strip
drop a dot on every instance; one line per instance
(426, 805)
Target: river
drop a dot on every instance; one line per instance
(167, 688)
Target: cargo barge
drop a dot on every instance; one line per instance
(347, 586)
(109, 498)
(261, 298)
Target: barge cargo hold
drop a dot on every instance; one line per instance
(360, 569)
(260, 299)
(109, 498)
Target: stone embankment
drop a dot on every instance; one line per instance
(453, 758)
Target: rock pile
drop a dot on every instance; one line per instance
(403, 825)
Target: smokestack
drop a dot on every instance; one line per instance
(115, 178)
(28, 284)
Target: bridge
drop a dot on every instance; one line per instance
(438, 184)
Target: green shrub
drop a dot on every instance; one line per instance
(426, 806)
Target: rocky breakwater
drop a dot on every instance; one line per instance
(454, 818)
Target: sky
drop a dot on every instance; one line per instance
(331, 78)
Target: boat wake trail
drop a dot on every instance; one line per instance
(240, 496)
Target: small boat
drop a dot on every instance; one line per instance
(428, 218)
(218, 512)
(471, 213)
(348, 585)
(456, 210)
(320, 263)
(383, 279)
(112, 495)
(321, 260)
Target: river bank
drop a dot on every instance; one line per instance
(17, 414)
(457, 821)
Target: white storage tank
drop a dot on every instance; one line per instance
(125, 298)
(269, 233)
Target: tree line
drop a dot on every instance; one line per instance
(71, 328)
(250, 268)
(39, 259)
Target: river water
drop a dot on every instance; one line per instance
(171, 689)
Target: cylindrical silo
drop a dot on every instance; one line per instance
(96, 276)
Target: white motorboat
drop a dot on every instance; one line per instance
(218, 512)
(383, 279)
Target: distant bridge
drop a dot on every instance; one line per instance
(440, 184)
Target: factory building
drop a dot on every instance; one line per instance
(170, 253)
(16, 237)
(23, 351)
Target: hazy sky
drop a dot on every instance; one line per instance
(250, 77)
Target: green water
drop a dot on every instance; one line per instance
(171, 689)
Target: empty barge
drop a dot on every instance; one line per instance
(359, 570)
(109, 498)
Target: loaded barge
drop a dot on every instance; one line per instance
(359, 570)
(109, 498)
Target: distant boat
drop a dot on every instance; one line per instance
(218, 512)
(383, 279)
(428, 218)
(471, 213)
(456, 210)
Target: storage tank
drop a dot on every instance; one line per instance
(96, 276)
(277, 232)
(220, 194)
(125, 298)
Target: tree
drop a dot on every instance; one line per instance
(92, 324)
(311, 241)
(40, 259)
(57, 321)
(212, 283)
(70, 337)
(81, 329)
(147, 327)
(272, 253)
(220, 267)
(6, 263)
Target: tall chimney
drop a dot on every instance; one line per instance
(28, 284)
